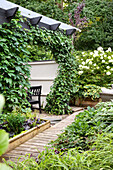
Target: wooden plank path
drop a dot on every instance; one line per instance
(37, 144)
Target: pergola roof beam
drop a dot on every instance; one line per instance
(11, 12)
(35, 18)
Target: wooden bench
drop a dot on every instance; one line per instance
(35, 91)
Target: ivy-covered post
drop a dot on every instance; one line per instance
(14, 70)
(64, 84)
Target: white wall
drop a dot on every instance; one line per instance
(43, 73)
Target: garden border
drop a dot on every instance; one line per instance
(23, 137)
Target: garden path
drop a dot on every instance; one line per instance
(37, 143)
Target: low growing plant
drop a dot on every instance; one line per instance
(91, 91)
(87, 125)
(100, 156)
(16, 122)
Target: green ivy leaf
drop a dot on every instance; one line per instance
(3, 141)
(4, 167)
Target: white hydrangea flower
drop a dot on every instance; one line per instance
(83, 52)
(91, 53)
(111, 69)
(109, 50)
(101, 57)
(80, 72)
(103, 61)
(101, 54)
(80, 65)
(100, 49)
(87, 60)
(108, 67)
(96, 52)
(109, 57)
(90, 62)
(94, 64)
(108, 73)
(105, 55)
(110, 61)
(83, 63)
(94, 55)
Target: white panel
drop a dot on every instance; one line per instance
(43, 73)
(43, 70)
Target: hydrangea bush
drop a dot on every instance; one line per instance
(95, 70)
(96, 67)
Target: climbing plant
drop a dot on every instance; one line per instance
(14, 73)
(14, 70)
(64, 84)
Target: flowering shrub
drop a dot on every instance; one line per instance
(95, 67)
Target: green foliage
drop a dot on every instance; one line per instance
(91, 91)
(15, 123)
(38, 53)
(3, 135)
(3, 141)
(99, 13)
(14, 73)
(4, 167)
(3, 138)
(95, 70)
(83, 131)
(99, 31)
(63, 87)
(48, 8)
(14, 70)
(100, 156)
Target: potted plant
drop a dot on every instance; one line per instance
(90, 95)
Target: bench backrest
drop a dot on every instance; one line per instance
(35, 90)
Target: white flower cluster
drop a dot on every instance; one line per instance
(96, 61)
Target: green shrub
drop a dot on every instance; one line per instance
(95, 67)
(15, 123)
(91, 91)
(95, 70)
(99, 30)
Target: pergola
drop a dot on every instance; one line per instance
(9, 9)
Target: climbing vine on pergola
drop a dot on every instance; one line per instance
(14, 45)
(64, 84)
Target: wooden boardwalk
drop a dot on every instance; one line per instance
(38, 143)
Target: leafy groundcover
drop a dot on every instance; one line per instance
(87, 125)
